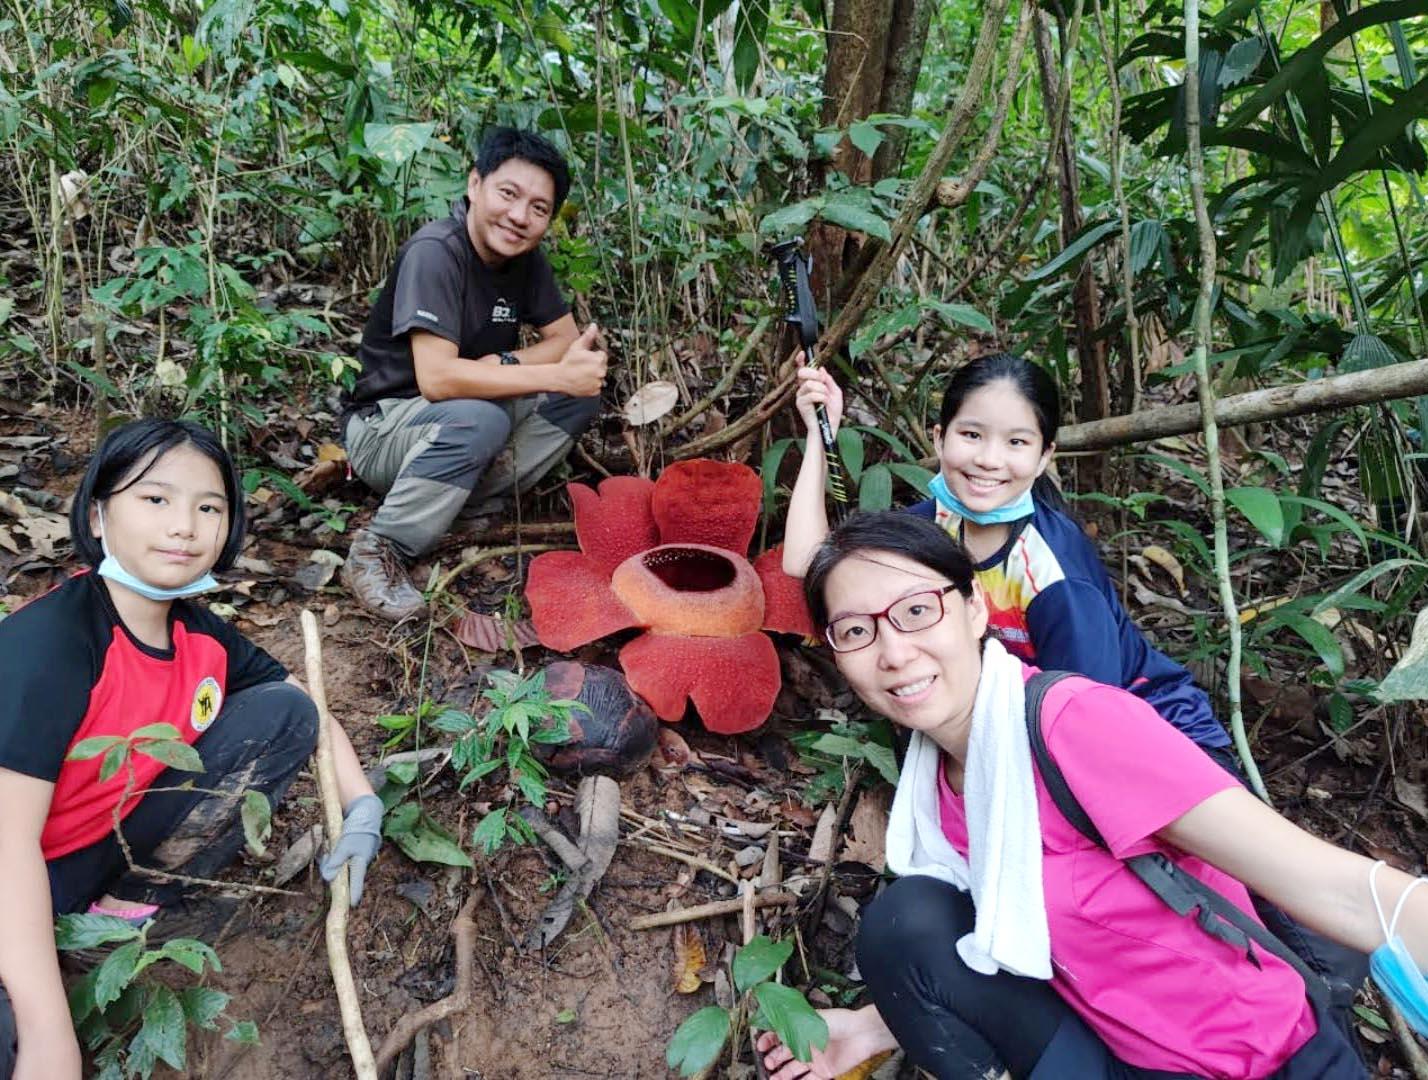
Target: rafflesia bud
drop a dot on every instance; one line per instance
(615, 736)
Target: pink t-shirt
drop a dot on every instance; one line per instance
(1156, 988)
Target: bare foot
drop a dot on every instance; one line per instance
(853, 1037)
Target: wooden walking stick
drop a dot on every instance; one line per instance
(346, 986)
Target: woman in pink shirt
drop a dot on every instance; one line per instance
(1052, 959)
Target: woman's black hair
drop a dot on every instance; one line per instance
(501, 144)
(1032, 381)
(137, 445)
(896, 532)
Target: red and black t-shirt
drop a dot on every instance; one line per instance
(70, 670)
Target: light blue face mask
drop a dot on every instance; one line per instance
(110, 568)
(1393, 967)
(1015, 510)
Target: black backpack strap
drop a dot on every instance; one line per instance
(1178, 889)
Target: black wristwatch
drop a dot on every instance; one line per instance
(509, 358)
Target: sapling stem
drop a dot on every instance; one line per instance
(1195, 160)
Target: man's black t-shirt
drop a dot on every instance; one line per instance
(440, 285)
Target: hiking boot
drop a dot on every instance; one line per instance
(376, 576)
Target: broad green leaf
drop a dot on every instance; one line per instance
(490, 831)
(396, 144)
(875, 490)
(1146, 238)
(790, 219)
(245, 1032)
(1240, 61)
(175, 754)
(883, 759)
(697, 1041)
(114, 760)
(758, 960)
(92, 747)
(203, 1005)
(421, 838)
(858, 218)
(164, 1029)
(1261, 507)
(850, 449)
(1088, 238)
(1341, 712)
(116, 973)
(190, 953)
(784, 1010)
(85, 931)
(1408, 681)
(1321, 639)
(914, 476)
(1367, 351)
(81, 998)
(768, 470)
(156, 731)
(1331, 511)
(257, 816)
(866, 136)
(961, 315)
(903, 318)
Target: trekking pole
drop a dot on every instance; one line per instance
(793, 268)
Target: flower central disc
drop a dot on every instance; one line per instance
(691, 589)
(687, 569)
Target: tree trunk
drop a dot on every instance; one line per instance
(1095, 402)
(874, 57)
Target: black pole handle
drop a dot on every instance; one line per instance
(794, 265)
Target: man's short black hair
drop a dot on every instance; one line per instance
(504, 143)
(125, 457)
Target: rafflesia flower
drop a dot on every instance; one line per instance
(670, 556)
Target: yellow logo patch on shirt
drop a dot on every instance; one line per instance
(207, 700)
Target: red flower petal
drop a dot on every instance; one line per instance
(784, 607)
(616, 523)
(571, 602)
(732, 681)
(707, 502)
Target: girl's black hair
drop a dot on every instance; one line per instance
(1032, 381)
(138, 445)
(896, 532)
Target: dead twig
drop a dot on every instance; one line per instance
(710, 911)
(481, 555)
(845, 810)
(463, 934)
(1412, 1052)
(343, 981)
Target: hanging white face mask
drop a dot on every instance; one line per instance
(111, 568)
(1392, 966)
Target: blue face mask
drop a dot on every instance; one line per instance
(1392, 965)
(1015, 510)
(111, 569)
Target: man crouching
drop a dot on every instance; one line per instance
(447, 417)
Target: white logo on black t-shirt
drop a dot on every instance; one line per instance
(503, 312)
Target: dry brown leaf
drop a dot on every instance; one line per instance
(11, 504)
(820, 849)
(650, 402)
(867, 826)
(8, 542)
(1167, 562)
(330, 451)
(320, 477)
(799, 814)
(487, 633)
(44, 531)
(689, 958)
(867, 1068)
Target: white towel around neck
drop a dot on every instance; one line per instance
(1003, 827)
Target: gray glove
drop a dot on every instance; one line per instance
(361, 837)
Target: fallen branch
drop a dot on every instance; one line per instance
(710, 911)
(1407, 1042)
(340, 897)
(480, 555)
(463, 934)
(1276, 403)
(597, 805)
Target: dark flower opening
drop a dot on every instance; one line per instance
(690, 569)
